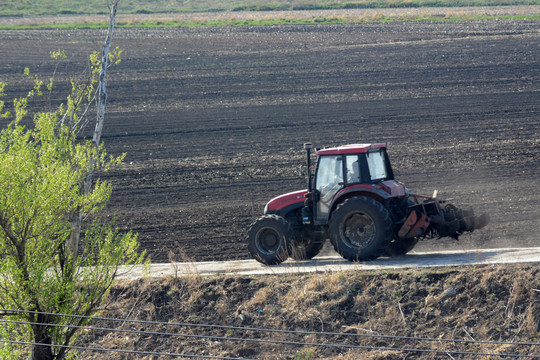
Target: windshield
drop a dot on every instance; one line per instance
(377, 165)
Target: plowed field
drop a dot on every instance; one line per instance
(213, 119)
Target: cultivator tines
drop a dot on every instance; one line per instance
(453, 221)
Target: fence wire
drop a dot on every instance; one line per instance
(247, 339)
(125, 351)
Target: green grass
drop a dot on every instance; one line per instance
(64, 7)
(264, 22)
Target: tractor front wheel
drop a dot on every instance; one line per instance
(270, 239)
(360, 228)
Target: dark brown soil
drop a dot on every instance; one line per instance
(213, 119)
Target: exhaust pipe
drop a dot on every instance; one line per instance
(307, 210)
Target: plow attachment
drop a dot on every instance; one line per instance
(432, 218)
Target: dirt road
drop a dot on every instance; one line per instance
(336, 263)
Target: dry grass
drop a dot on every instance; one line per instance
(493, 303)
(191, 281)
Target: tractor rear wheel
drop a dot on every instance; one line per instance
(360, 228)
(270, 239)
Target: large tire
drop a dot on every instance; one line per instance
(400, 246)
(360, 229)
(306, 249)
(270, 239)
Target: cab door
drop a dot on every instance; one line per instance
(328, 182)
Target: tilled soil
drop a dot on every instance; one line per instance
(213, 119)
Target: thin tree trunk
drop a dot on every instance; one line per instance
(102, 99)
(76, 220)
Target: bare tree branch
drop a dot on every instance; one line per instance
(74, 240)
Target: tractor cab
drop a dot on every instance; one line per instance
(343, 170)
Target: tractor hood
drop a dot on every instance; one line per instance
(285, 200)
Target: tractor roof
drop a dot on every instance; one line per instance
(350, 149)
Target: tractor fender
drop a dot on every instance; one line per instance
(285, 203)
(358, 190)
(376, 190)
(285, 210)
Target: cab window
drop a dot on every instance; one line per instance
(352, 168)
(329, 181)
(377, 165)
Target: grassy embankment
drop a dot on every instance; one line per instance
(74, 7)
(267, 21)
(481, 303)
(92, 7)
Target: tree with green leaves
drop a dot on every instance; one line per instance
(49, 197)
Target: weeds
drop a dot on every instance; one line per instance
(260, 298)
(190, 282)
(307, 353)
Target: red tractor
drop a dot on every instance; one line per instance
(353, 199)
